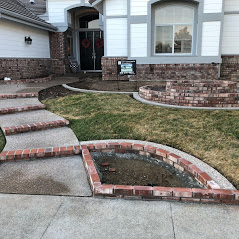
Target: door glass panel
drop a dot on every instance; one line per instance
(86, 52)
(99, 48)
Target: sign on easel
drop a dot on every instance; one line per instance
(126, 67)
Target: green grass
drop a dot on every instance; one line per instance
(2, 141)
(212, 136)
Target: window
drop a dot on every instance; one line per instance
(89, 21)
(174, 29)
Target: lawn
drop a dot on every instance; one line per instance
(2, 141)
(212, 136)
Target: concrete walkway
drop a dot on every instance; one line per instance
(51, 198)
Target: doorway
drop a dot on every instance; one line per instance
(91, 49)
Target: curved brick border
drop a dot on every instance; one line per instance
(24, 81)
(34, 127)
(12, 110)
(213, 193)
(194, 93)
(18, 95)
(25, 154)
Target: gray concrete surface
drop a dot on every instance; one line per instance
(205, 221)
(148, 102)
(44, 217)
(36, 87)
(5, 103)
(52, 176)
(215, 175)
(57, 137)
(22, 118)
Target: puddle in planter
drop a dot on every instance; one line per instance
(135, 169)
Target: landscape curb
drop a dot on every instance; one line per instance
(213, 193)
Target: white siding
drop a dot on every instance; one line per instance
(230, 40)
(12, 41)
(116, 7)
(211, 38)
(231, 5)
(56, 9)
(116, 35)
(138, 40)
(212, 6)
(139, 7)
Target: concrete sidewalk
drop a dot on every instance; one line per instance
(45, 217)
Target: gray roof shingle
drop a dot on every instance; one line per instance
(18, 10)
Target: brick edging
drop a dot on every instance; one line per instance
(18, 95)
(197, 93)
(24, 81)
(25, 154)
(12, 110)
(34, 127)
(213, 193)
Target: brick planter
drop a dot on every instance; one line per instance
(194, 93)
(211, 194)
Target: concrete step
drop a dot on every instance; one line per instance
(51, 176)
(36, 153)
(12, 110)
(57, 137)
(34, 127)
(7, 103)
(30, 117)
(18, 95)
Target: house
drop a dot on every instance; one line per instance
(183, 39)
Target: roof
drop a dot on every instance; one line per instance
(38, 8)
(14, 9)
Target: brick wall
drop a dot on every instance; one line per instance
(162, 71)
(196, 93)
(230, 68)
(109, 68)
(26, 68)
(58, 44)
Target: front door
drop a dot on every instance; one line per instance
(91, 50)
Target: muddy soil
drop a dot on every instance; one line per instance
(133, 169)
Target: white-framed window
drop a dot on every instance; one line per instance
(174, 28)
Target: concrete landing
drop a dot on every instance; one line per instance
(35, 87)
(57, 137)
(28, 118)
(52, 176)
(44, 217)
(5, 103)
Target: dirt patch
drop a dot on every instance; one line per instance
(55, 92)
(96, 83)
(131, 169)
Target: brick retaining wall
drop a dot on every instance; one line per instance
(161, 71)
(194, 93)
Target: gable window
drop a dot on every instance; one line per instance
(174, 26)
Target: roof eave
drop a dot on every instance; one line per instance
(25, 20)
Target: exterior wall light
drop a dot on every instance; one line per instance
(28, 40)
